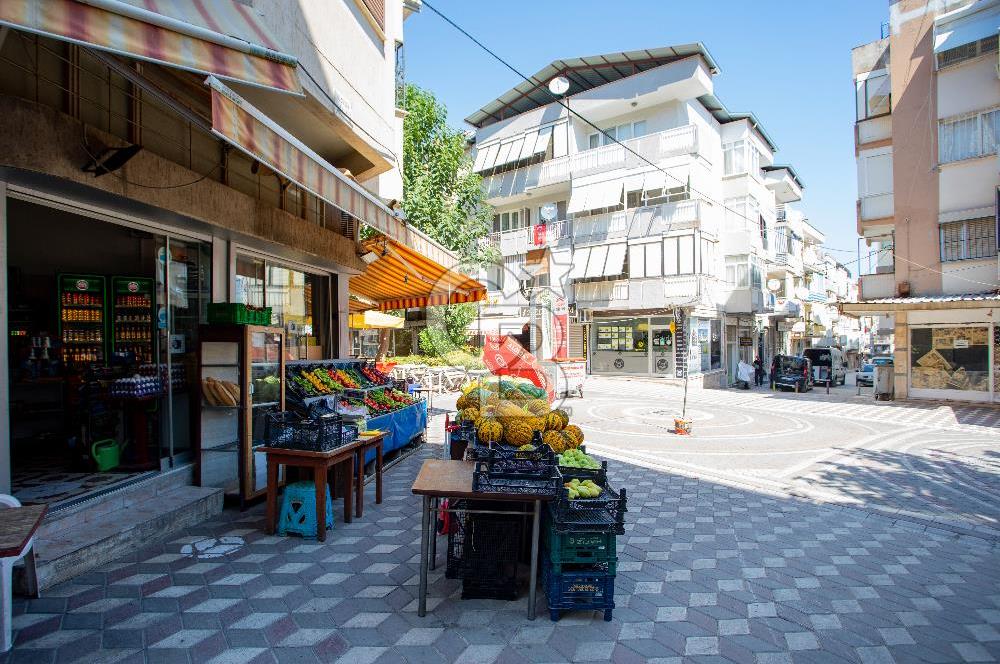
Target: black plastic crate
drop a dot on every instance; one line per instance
(484, 548)
(486, 478)
(290, 430)
(605, 513)
(588, 588)
(506, 589)
(598, 475)
(511, 463)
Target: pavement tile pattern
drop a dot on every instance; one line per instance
(707, 573)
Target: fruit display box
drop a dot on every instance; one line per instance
(606, 513)
(488, 479)
(598, 475)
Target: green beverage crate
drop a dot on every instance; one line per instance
(580, 548)
(237, 313)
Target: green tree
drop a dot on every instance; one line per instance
(443, 197)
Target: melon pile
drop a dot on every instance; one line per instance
(511, 411)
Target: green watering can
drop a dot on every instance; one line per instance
(106, 453)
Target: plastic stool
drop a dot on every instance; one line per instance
(298, 510)
(413, 387)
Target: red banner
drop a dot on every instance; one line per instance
(560, 329)
(505, 357)
(539, 235)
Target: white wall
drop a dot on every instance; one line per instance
(968, 184)
(969, 276)
(970, 86)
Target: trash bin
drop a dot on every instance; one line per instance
(884, 384)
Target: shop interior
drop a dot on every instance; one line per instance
(97, 354)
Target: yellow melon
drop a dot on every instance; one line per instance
(490, 430)
(553, 422)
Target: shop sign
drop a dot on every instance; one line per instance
(961, 343)
(133, 287)
(82, 285)
(746, 341)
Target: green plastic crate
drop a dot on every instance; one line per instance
(580, 548)
(237, 313)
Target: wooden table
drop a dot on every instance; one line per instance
(17, 526)
(439, 479)
(321, 463)
(366, 443)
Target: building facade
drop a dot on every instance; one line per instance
(150, 166)
(928, 122)
(651, 213)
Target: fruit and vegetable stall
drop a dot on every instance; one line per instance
(521, 445)
(359, 389)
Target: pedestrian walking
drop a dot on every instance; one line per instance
(758, 372)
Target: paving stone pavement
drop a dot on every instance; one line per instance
(707, 573)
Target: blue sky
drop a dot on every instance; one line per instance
(787, 61)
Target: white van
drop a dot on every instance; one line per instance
(829, 365)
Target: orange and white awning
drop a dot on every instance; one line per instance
(240, 124)
(402, 278)
(194, 35)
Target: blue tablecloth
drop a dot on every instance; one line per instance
(403, 426)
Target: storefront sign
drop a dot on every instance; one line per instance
(746, 341)
(961, 343)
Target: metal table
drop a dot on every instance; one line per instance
(439, 479)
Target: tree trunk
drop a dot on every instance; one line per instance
(383, 344)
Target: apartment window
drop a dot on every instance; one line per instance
(738, 274)
(493, 278)
(507, 221)
(954, 56)
(622, 132)
(734, 157)
(970, 239)
(873, 96)
(755, 156)
(969, 137)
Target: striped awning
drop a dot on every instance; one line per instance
(237, 122)
(193, 35)
(402, 278)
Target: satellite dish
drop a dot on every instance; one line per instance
(548, 212)
(773, 285)
(559, 86)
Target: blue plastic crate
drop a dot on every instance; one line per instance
(591, 588)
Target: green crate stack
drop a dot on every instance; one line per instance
(592, 556)
(237, 313)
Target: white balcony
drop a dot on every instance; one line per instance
(878, 206)
(784, 260)
(521, 240)
(640, 222)
(527, 179)
(874, 129)
(652, 292)
(654, 147)
(875, 286)
(745, 301)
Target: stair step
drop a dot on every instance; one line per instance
(95, 508)
(62, 552)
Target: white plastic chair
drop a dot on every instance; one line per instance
(7, 582)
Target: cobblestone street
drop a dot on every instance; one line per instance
(719, 563)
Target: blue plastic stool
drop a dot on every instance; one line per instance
(298, 510)
(413, 387)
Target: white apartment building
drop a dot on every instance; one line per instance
(662, 248)
(927, 137)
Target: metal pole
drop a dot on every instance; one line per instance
(424, 522)
(433, 534)
(533, 580)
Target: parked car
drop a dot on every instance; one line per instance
(829, 365)
(882, 360)
(792, 372)
(865, 375)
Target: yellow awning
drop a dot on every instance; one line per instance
(375, 320)
(196, 37)
(401, 278)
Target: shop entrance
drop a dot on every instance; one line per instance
(102, 324)
(662, 347)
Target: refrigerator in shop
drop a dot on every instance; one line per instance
(82, 320)
(132, 317)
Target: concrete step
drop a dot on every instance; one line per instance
(65, 549)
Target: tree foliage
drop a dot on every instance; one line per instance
(441, 195)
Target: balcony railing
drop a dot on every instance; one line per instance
(874, 286)
(520, 240)
(876, 207)
(654, 147)
(640, 222)
(526, 178)
(647, 293)
(601, 293)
